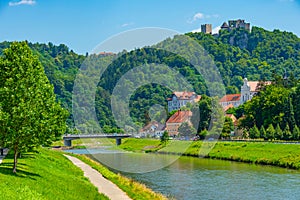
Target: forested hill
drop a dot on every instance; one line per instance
(237, 54)
(255, 55)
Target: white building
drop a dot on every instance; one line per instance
(248, 90)
(180, 99)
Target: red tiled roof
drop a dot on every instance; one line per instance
(227, 107)
(234, 119)
(180, 117)
(231, 97)
(253, 85)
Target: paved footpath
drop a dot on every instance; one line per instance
(5, 151)
(104, 186)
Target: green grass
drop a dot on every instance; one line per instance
(88, 142)
(267, 153)
(283, 155)
(133, 189)
(139, 145)
(45, 174)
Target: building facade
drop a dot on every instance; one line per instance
(180, 99)
(174, 122)
(248, 90)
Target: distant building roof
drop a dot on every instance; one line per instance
(180, 117)
(231, 97)
(253, 85)
(106, 53)
(224, 25)
(228, 107)
(153, 126)
(231, 116)
(186, 96)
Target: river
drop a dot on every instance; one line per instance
(196, 178)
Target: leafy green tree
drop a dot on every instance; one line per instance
(227, 128)
(254, 132)
(203, 134)
(296, 104)
(186, 130)
(202, 112)
(263, 133)
(296, 133)
(278, 133)
(164, 138)
(30, 114)
(287, 135)
(271, 132)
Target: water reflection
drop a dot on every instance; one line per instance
(196, 178)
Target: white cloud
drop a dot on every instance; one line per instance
(196, 30)
(216, 30)
(22, 2)
(200, 15)
(127, 24)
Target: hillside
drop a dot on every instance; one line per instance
(257, 55)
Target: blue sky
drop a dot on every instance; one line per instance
(83, 24)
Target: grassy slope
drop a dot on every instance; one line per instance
(45, 174)
(283, 155)
(138, 145)
(134, 190)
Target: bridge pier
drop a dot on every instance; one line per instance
(68, 143)
(118, 141)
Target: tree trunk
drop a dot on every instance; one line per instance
(15, 160)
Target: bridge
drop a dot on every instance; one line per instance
(68, 138)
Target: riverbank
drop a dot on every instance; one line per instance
(265, 153)
(44, 174)
(48, 174)
(133, 189)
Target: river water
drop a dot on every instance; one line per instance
(196, 178)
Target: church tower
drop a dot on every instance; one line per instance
(245, 92)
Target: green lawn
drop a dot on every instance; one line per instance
(283, 155)
(45, 174)
(138, 145)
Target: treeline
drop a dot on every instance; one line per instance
(274, 112)
(255, 55)
(237, 54)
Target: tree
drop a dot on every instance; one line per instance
(263, 133)
(287, 135)
(186, 130)
(227, 128)
(164, 138)
(30, 114)
(296, 133)
(271, 132)
(278, 133)
(254, 132)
